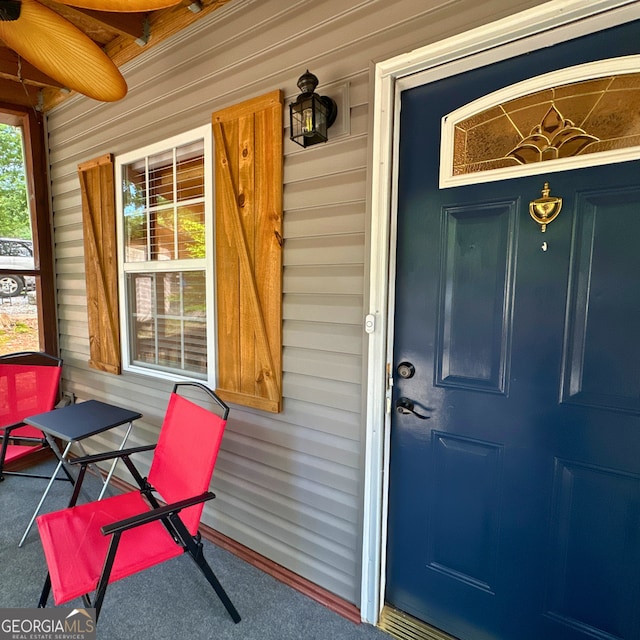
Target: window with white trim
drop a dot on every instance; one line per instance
(165, 241)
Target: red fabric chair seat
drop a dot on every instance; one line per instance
(17, 451)
(75, 569)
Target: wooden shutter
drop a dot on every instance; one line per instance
(248, 179)
(101, 266)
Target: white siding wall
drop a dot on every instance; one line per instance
(289, 485)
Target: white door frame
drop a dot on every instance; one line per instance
(491, 43)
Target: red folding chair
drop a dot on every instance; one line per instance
(89, 546)
(29, 382)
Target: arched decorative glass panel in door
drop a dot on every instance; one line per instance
(579, 116)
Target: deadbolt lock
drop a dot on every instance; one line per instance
(406, 370)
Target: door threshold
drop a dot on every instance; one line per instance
(402, 626)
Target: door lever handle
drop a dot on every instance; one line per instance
(406, 406)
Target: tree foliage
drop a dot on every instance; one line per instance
(14, 206)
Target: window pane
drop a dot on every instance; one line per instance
(156, 226)
(134, 202)
(162, 232)
(134, 187)
(135, 231)
(191, 231)
(161, 178)
(167, 318)
(190, 171)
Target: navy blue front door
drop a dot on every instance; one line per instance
(514, 507)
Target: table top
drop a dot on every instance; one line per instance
(78, 421)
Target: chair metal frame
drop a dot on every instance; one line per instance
(167, 514)
(36, 358)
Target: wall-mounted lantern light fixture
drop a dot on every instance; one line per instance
(311, 115)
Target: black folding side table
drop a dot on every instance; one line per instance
(73, 424)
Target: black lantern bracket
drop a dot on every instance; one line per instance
(310, 114)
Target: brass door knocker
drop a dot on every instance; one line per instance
(546, 209)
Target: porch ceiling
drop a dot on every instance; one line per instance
(120, 35)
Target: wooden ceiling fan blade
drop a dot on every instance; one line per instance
(121, 6)
(62, 51)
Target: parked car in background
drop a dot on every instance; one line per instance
(16, 253)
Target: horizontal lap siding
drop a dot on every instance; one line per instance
(288, 485)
